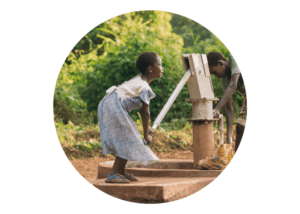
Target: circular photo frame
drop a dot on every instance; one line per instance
(146, 153)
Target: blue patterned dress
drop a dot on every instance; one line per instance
(119, 135)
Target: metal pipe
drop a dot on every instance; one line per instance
(220, 128)
(203, 140)
(172, 98)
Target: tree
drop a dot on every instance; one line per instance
(106, 56)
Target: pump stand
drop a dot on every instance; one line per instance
(201, 92)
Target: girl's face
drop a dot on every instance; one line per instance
(156, 68)
(219, 70)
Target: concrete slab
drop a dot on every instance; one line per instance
(154, 190)
(163, 168)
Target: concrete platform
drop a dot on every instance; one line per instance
(154, 189)
(163, 168)
(159, 181)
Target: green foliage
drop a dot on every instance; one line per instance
(191, 31)
(65, 106)
(117, 64)
(175, 124)
(79, 140)
(106, 56)
(94, 39)
(68, 105)
(88, 146)
(83, 141)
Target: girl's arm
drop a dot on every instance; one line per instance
(145, 113)
(228, 93)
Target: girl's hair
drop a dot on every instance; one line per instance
(213, 58)
(145, 60)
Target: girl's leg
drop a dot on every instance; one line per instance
(119, 166)
(122, 167)
(239, 134)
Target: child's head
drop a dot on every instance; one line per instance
(149, 63)
(218, 65)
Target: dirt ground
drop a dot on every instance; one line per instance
(88, 167)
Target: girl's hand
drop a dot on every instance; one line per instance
(216, 113)
(151, 131)
(148, 139)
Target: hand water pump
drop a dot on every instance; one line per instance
(201, 92)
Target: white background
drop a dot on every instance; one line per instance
(35, 39)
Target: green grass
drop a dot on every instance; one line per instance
(83, 141)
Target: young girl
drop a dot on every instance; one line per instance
(232, 80)
(119, 135)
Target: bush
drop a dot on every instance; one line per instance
(133, 36)
(106, 56)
